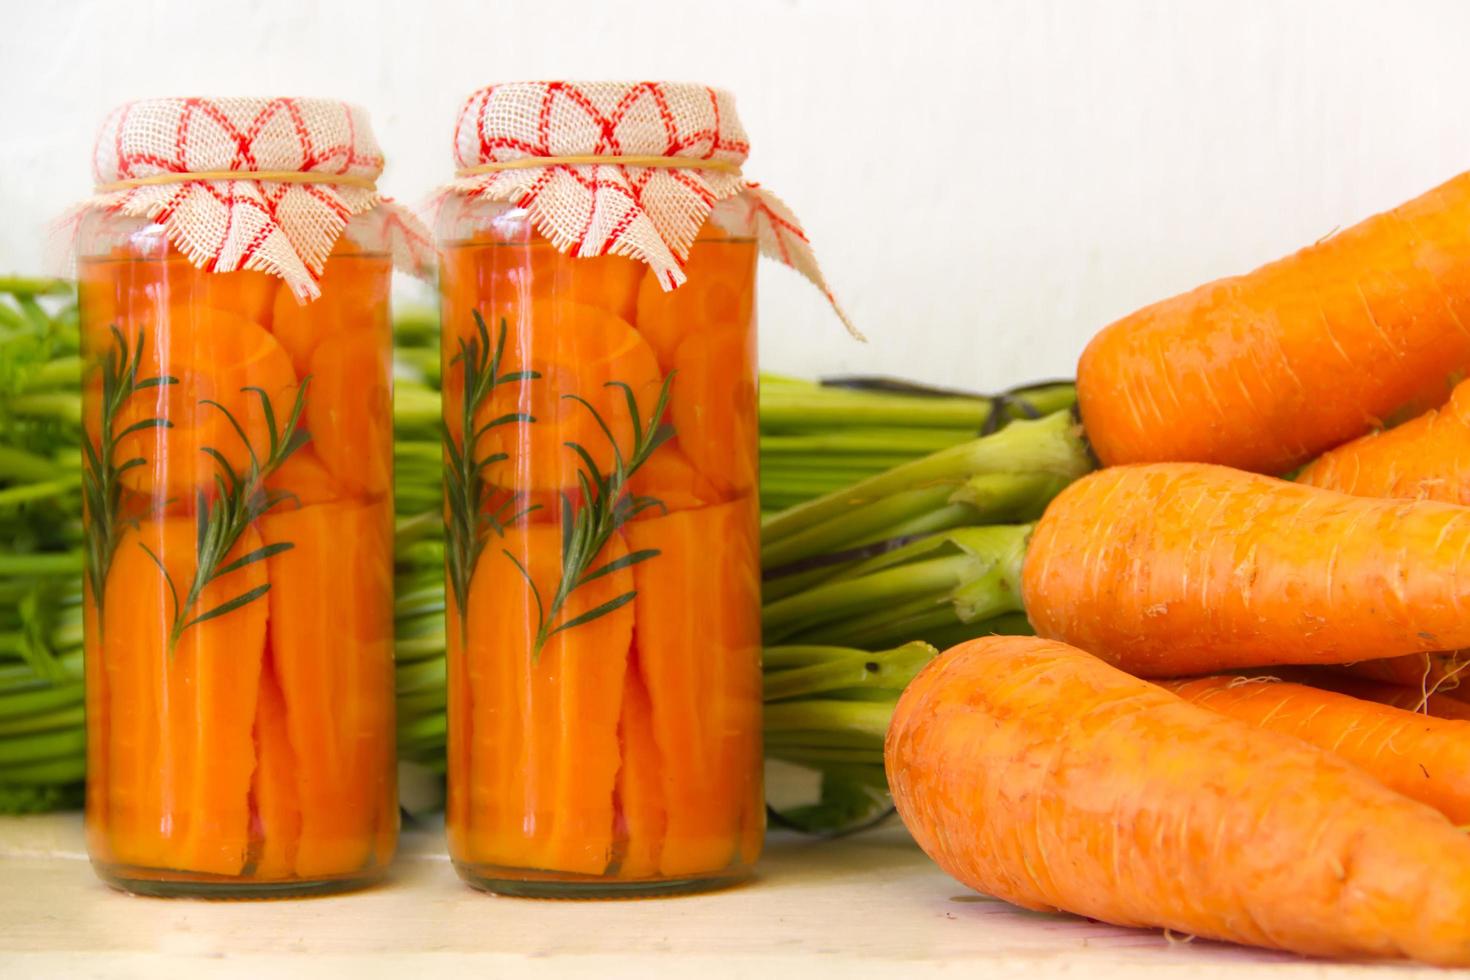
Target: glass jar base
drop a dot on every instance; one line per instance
(521, 883)
(156, 883)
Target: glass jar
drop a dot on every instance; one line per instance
(603, 563)
(239, 589)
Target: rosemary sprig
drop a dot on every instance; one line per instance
(240, 500)
(606, 506)
(101, 472)
(469, 521)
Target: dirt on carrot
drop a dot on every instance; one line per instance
(1265, 371)
(1036, 773)
(1176, 569)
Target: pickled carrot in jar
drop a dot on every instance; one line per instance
(240, 686)
(238, 500)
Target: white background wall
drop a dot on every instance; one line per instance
(987, 182)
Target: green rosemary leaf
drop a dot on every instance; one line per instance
(223, 462)
(234, 424)
(632, 402)
(515, 376)
(661, 435)
(506, 419)
(491, 460)
(297, 407)
(130, 464)
(155, 382)
(259, 554)
(612, 440)
(593, 472)
(144, 425)
(627, 561)
(535, 592)
(269, 411)
(524, 512)
(225, 608)
(594, 613)
(167, 578)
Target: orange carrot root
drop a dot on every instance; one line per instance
(1424, 758)
(1036, 773)
(1265, 371)
(1426, 458)
(1169, 570)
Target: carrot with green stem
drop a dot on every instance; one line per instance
(1266, 370)
(1036, 773)
(1424, 758)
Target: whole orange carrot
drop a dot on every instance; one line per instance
(1266, 370)
(1425, 458)
(1036, 773)
(1424, 758)
(1174, 569)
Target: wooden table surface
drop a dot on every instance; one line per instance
(870, 906)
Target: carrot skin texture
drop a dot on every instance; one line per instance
(1424, 758)
(1176, 569)
(1408, 698)
(1426, 458)
(1264, 371)
(1034, 772)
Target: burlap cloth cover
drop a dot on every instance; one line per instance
(651, 212)
(162, 159)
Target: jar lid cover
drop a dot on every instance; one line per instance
(252, 183)
(623, 168)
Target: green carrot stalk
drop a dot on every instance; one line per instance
(1052, 445)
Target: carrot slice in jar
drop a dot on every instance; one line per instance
(544, 758)
(354, 297)
(276, 824)
(642, 818)
(669, 477)
(583, 357)
(248, 294)
(349, 409)
(180, 747)
(305, 478)
(713, 406)
(219, 360)
(331, 635)
(719, 294)
(698, 648)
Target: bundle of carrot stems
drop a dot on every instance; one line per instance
(890, 512)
